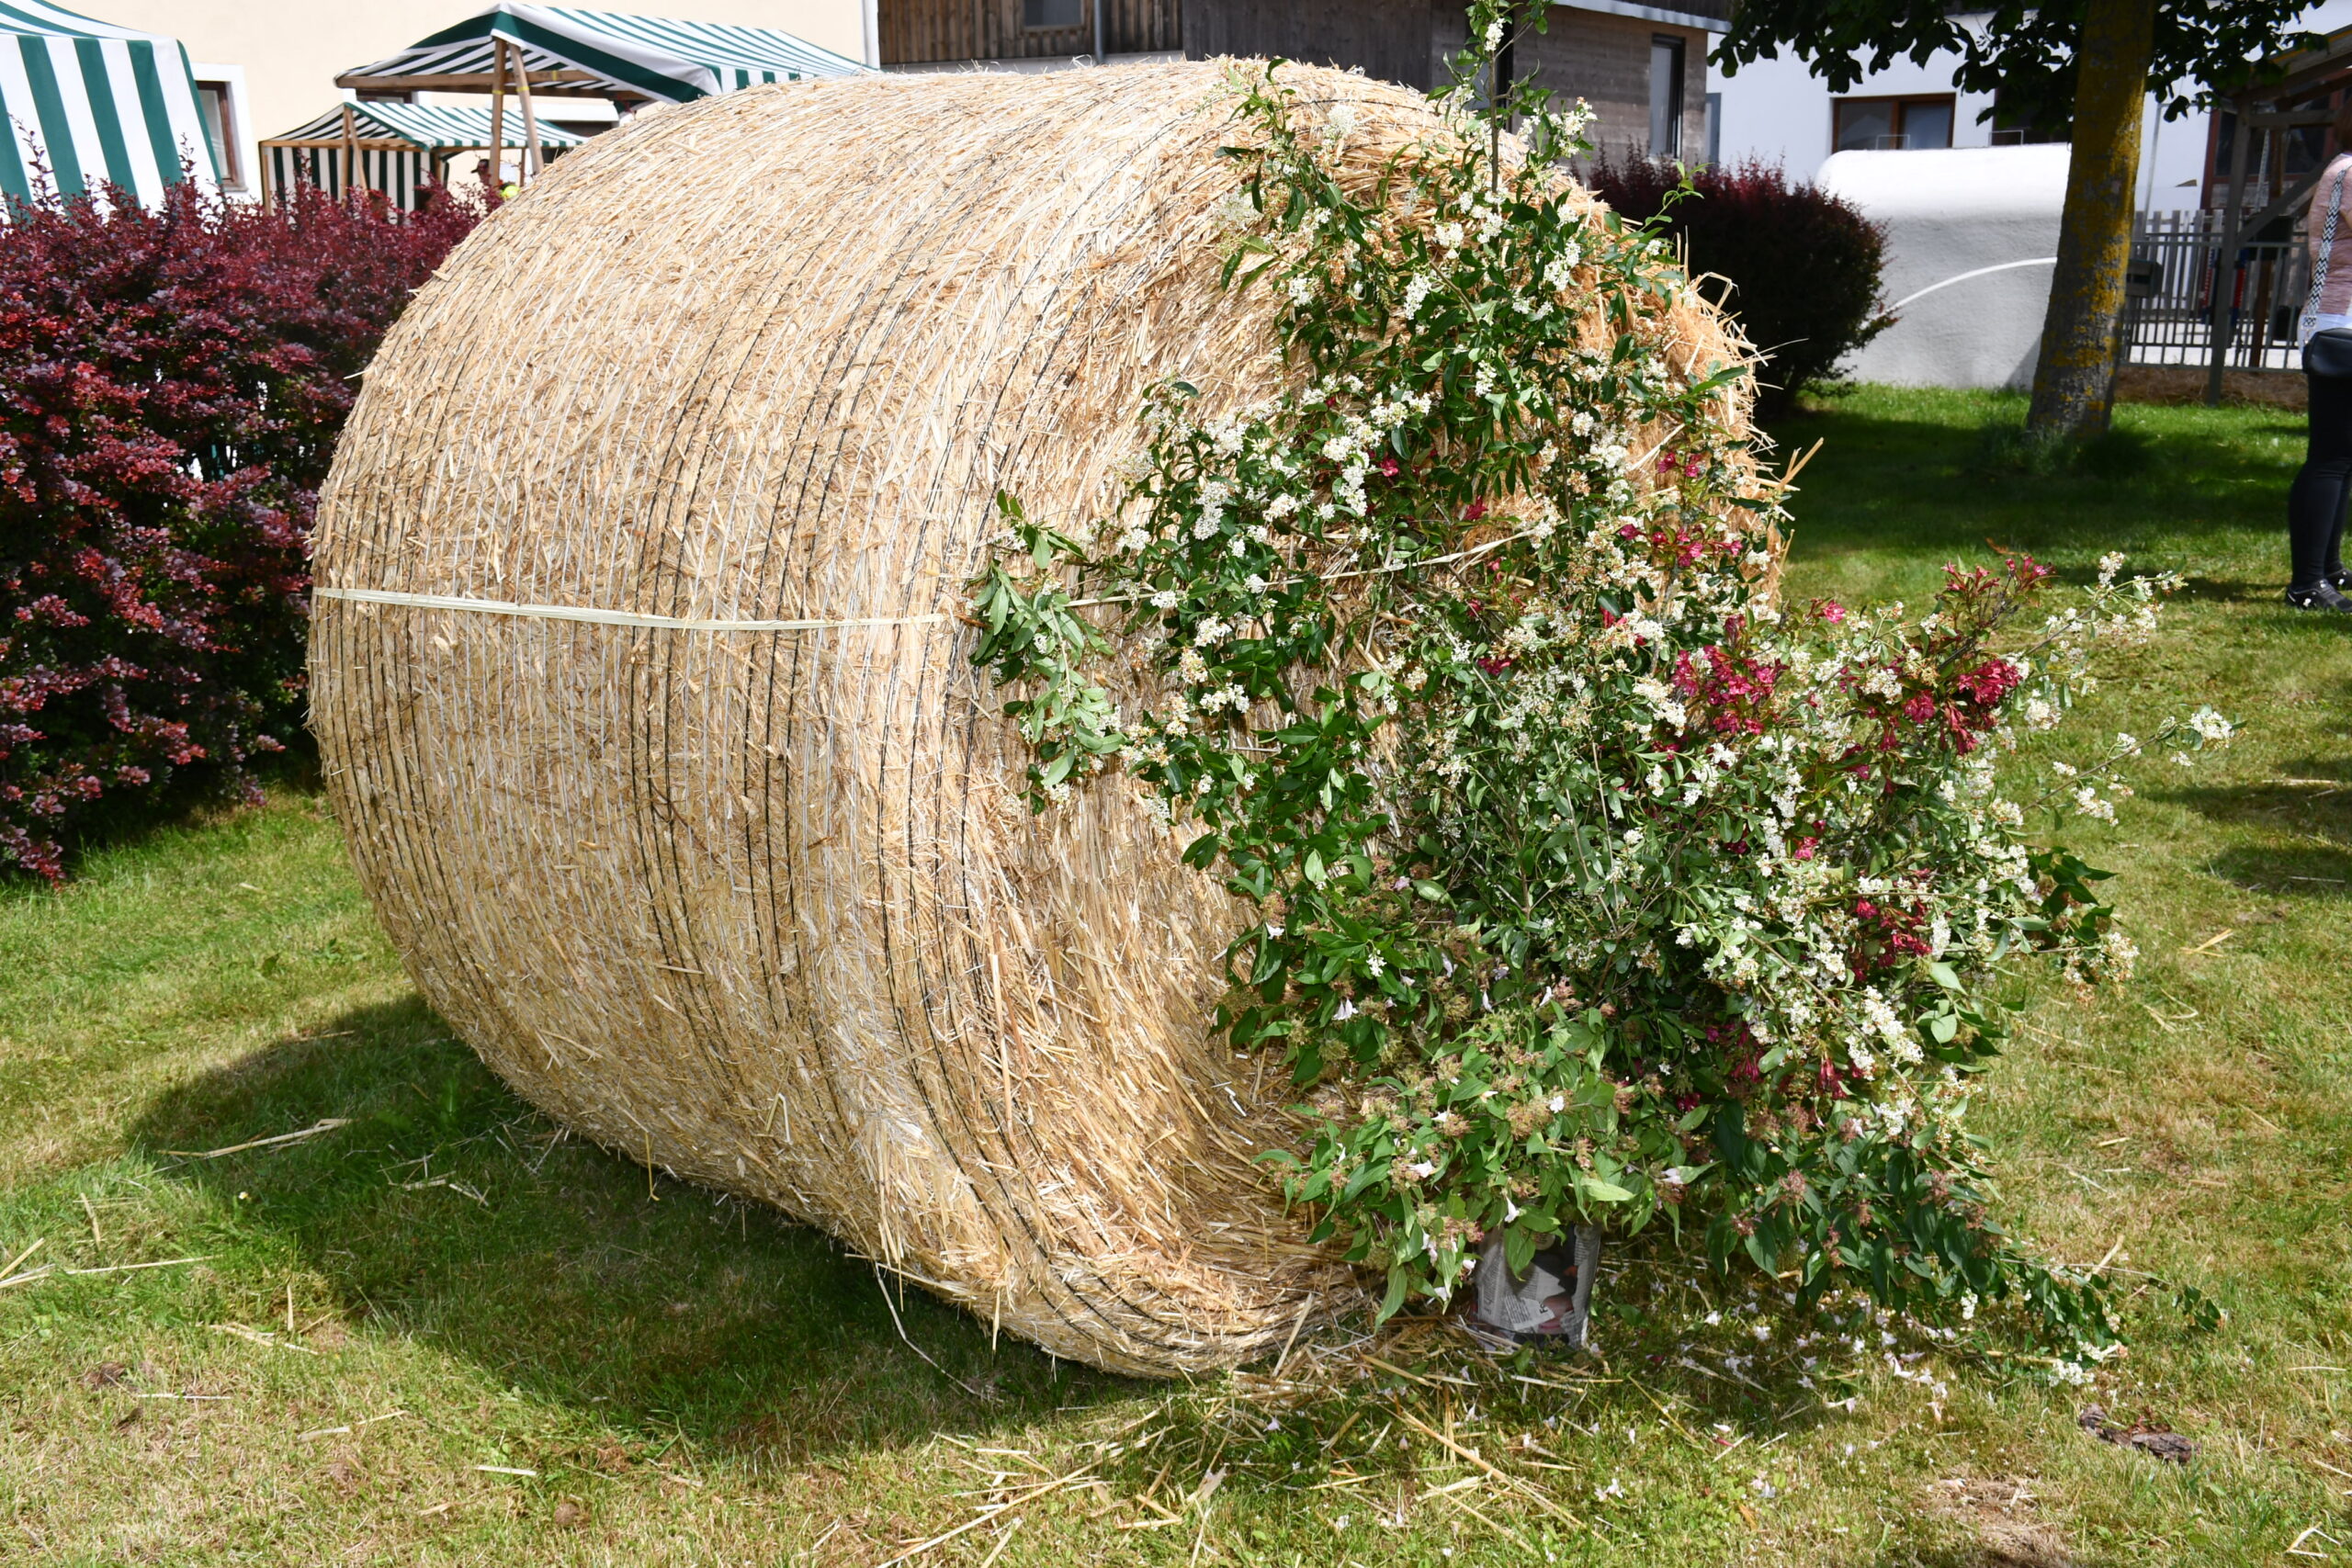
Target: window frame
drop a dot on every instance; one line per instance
(1679, 84)
(1898, 107)
(216, 101)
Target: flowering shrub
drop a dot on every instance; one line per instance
(1594, 884)
(172, 381)
(1803, 265)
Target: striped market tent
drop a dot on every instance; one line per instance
(600, 54)
(88, 103)
(389, 147)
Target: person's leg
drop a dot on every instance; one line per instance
(2334, 572)
(2315, 505)
(2332, 569)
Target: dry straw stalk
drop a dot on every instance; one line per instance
(763, 907)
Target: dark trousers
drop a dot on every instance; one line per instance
(2315, 505)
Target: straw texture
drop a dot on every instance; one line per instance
(761, 907)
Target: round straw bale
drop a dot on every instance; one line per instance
(761, 906)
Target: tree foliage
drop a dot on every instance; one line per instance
(2025, 54)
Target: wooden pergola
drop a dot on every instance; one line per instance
(2265, 113)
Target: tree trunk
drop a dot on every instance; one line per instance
(2074, 384)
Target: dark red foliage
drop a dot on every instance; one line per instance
(1804, 266)
(172, 383)
(1988, 685)
(1727, 692)
(1886, 934)
(1963, 690)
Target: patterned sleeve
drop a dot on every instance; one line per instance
(2335, 299)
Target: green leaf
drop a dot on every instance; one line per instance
(1399, 1281)
(1519, 1248)
(1607, 1191)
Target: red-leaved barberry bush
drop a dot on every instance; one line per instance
(1803, 264)
(172, 383)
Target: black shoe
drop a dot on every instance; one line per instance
(2319, 596)
(2339, 576)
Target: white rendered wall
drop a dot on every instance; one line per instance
(1970, 233)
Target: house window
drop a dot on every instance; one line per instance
(1871, 125)
(2012, 128)
(1046, 15)
(213, 103)
(1666, 97)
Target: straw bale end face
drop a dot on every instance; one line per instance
(706, 834)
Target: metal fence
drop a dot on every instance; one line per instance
(2167, 319)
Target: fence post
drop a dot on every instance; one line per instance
(2225, 259)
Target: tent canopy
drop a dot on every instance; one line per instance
(91, 103)
(600, 54)
(419, 126)
(398, 151)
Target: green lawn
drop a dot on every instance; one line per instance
(444, 1283)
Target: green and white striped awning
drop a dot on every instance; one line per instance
(393, 149)
(89, 103)
(603, 54)
(424, 127)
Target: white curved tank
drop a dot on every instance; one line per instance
(1971, 234)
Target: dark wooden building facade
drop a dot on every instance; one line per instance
(941, 32)
(1387, 39)
(1642, 67)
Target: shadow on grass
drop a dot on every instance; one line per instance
(2308, 807)
(1928, 485)
(2302, 872)
(450, 1212)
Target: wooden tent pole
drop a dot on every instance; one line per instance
(350, 151)
(530, 115)
(497, 118)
